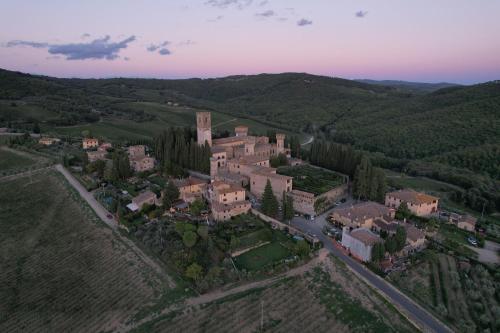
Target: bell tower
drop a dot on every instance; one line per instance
(280, 143)
(204, 128)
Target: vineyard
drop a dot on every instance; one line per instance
(464, 295)
(326, 299)
(61, 270)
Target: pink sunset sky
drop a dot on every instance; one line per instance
(425, 40)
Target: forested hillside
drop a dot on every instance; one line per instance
(451, 134)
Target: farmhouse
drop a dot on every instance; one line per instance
(227, 200)
(380, 225)
(360, 242)
(48, 141)
(146, 197)
(89, 143)
(104, 146)
(419, 204)
(191, 188)
(362, 215)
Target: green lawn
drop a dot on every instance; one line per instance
(312, 179)
(258, 258)
(256, 237)
(10, 160)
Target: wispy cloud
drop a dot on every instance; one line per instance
(229, 3)
(154, 47)
(361, 13)
(187, 42)
(216, 19)
(164, 51)
(101, 48)
(263, 3)
(85, 35)
(36, 45)
(304, 22)
(267, 13)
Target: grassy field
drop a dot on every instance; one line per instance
(328, 299)
(62, 270)
(262, 256)
(312, 179)
(10, 159)
(462, 295)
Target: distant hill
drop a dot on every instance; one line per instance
(376, 117)
(415, 87)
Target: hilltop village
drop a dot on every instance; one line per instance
(225, 209)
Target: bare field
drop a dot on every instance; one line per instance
(328, 298)
(60, 269)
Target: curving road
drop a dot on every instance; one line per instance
(419, 316)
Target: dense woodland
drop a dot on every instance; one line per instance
(450, 134)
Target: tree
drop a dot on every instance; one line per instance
(194, 272)
(400, 238)
(277, 161)
(202, 231)
(269, 201)
(36, 128)
(403, 212)
(234, 243)
(391, 245)
(302, 248)
(189, 238)
(197, 207)
(287, 204)
(170, 194)
(378, 252)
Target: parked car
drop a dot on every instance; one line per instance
(472, 240)
(109, 216)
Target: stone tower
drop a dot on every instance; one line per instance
(241, 130)
(204, 128)
(249, 146)
(280, 143)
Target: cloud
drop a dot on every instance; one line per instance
(361, 13)
(218, 18)
(126, 58)
(101, 48)
(263, 3)
(188, 42)
(164, 51)
(240, 4)
(267, 13)
(85, 35)
(303, 22)
(154, 47)
(36, 45)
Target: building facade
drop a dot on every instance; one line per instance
(420, 204)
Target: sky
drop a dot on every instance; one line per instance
(419, 40)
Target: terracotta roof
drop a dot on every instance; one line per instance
(413, 233)
(189, 181)
(143, 196)
(217, 149)
(365, 210)
(383, 225)
(365, 236)
(413, 196)
(468, 219)
(231, 139)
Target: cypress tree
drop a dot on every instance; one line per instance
(269, 201)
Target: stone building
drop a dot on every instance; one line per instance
(204, 128)
(191, 188)
(360, 242)
(420, 204)
(146, 197)
(362, 215)
(48, 141)
(139, 162)
(96, 155)
(227, 200)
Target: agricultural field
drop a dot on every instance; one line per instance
(162, 115)
(464, 295)
(11, 159)
(61, 269)
(328, 298)
(312, 179)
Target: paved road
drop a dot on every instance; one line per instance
(94, 204)
(308, 141)
(417, 314)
